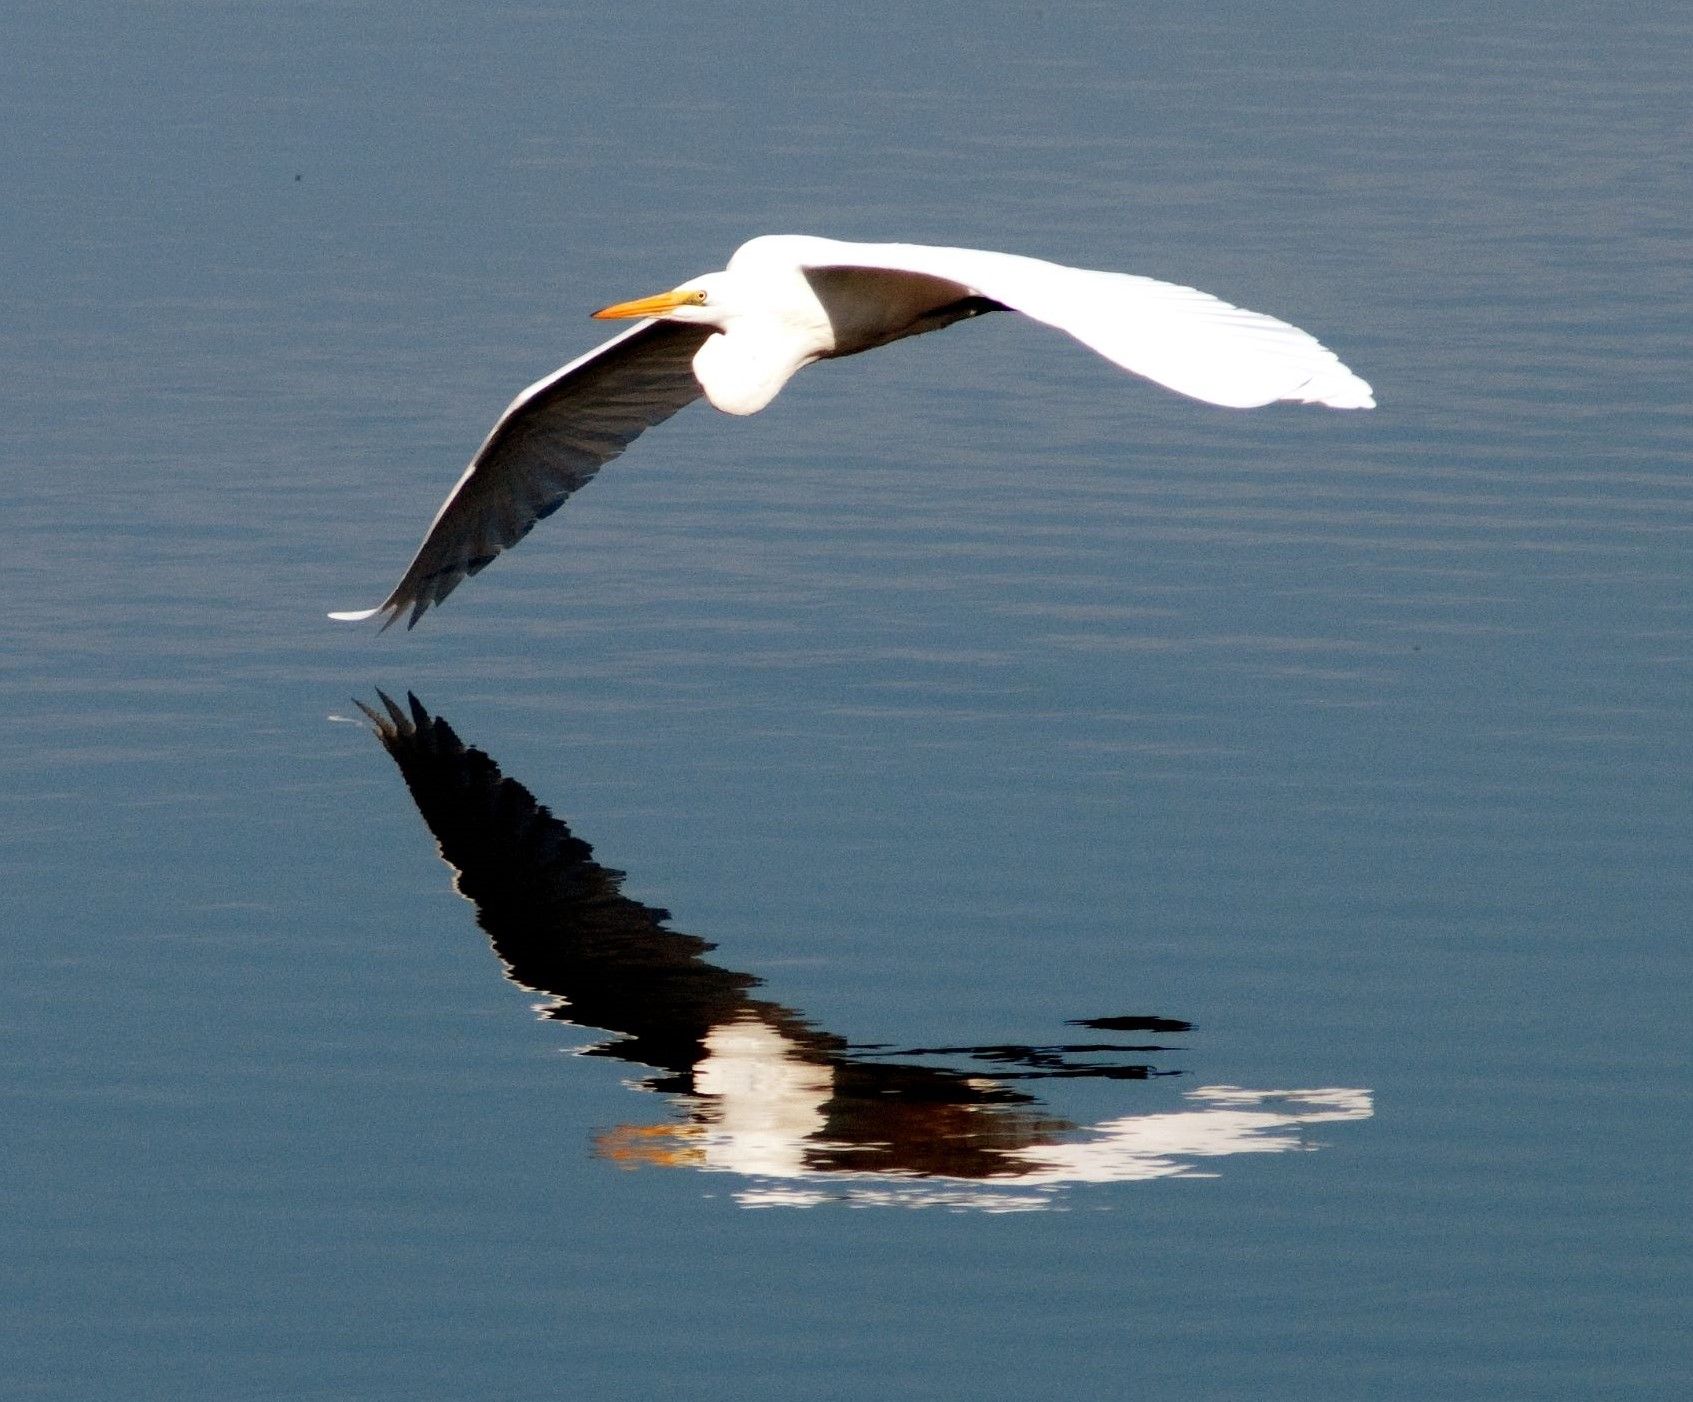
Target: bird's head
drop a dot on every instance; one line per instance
(702, 300)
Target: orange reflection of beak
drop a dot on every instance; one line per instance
(663, 1146)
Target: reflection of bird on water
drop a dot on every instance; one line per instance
(763, 1091)
(786, 301)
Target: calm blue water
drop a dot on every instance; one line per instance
(1199, 899)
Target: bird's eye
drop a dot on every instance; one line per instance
(697, 297)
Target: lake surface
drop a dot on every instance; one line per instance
(1084, 894)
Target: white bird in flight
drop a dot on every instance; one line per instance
(784, 301)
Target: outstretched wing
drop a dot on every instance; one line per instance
(1181, 338)
(551, 440)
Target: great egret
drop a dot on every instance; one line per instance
(785, 301)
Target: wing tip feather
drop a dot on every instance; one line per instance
(1343, 391)
(391, 608)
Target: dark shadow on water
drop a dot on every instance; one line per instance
(758, 1089)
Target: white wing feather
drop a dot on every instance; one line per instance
(550, 441)
(1179, 337)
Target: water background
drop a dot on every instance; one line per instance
(969, 690)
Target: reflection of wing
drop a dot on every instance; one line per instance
(558, 920)
(551, 440)
(1225, 1121)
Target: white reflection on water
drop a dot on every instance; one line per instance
(760, 1109)
(762, 1093)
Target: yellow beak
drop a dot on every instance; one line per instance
(650, 306)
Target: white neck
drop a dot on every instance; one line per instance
(768, 328)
